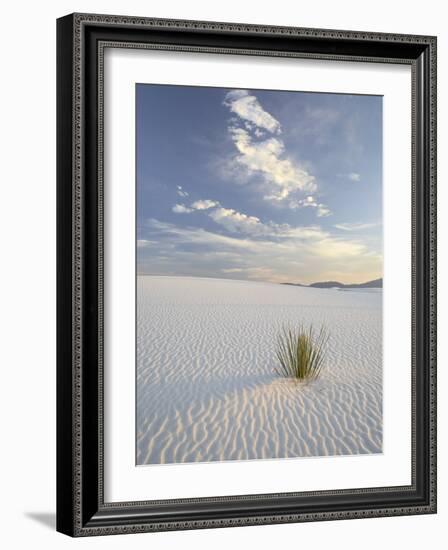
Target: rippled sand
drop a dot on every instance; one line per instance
(206, 386)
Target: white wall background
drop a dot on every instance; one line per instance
(27, 303)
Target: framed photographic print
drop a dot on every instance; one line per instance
(246, 274)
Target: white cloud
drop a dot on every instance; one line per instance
(236, 222)
(181, 209)
(197, 205)
(181, 192)
(247, 107)
(281, 175)
(331, 247)
(272, 249)
(322, 210)
(260, 155)
(290, 240)
(197, 236)
(308, 233)
(204, 204)
(354, 226)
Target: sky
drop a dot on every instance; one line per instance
(259, 185)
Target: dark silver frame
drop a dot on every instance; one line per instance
(81, 40)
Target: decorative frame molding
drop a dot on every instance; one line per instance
(81, 42)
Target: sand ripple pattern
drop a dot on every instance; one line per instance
(206, 385)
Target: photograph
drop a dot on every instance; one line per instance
(259, 274)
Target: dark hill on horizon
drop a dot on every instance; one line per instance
(377, 283)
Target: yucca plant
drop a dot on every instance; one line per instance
(301, 353)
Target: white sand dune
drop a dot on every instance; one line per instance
(206, 385)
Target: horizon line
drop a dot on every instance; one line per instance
(258, 280)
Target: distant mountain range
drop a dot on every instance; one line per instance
(377, 283)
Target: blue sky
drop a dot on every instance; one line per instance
(259, 185)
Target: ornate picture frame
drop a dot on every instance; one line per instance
(81, 506)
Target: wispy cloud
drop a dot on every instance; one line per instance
(274, 248)
(197, 205)
(282, 176)
(248, 108)
(181, 192)
(181, 209)
(354, 226)
(231, 220)
(352, 176)
(195, 235)
(236, 222)
(204, 204)
(322, 210)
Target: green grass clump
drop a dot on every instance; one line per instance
(300, 353)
